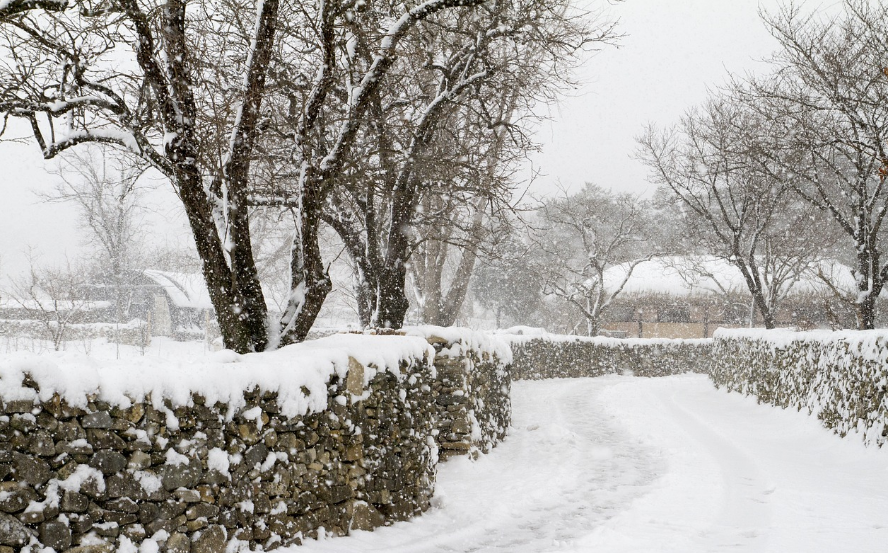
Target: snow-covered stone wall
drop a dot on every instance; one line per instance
(134, 333)
(471, 388)
(236, 452)
(553, 356)
(841, 377)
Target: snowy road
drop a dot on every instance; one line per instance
(623, 464)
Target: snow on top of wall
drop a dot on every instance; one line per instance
(184, 289)
(603, 340)
(465, 339)
(45, 303)
(522, 330)
(783, 334)
(219, 377)
(687, 275)
(869, 344)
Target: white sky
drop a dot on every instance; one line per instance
(673, 51)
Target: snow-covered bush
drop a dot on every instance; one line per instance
(839, 376)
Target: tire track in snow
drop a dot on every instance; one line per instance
(713, 495)
(744, 514)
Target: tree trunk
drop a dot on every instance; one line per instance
(762, 304)
(309, 281)
(391, 297)
(753, 283)
(866, 314)
(869, 286)
(595, 327)
(365, 296)
(362, 253)
(429, 278)
(241, 323)
(456, 295)
(391, 301)
(251, 308)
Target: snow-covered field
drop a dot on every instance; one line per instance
(622, 464)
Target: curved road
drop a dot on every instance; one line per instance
(622, 464)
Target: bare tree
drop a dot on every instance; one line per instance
(446, 252)
(731, 208)
(506, 282)
(141, 77)
(827, 102)
(107, 195)
(478, 76)
(453, 225)
(583, 235)
(53, 296)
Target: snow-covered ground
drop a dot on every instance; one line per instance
(622, 464)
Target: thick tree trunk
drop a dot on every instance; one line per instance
(762, 304)
(428, 273)
(866, 313)
(309, 281)
(391, 297)
(869, 285)
(391, 301)
(365, 296)
(241, 320)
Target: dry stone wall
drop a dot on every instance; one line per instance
(536, 358)
(338, 434)
(134, 333)
(841, 377)
(105, 472)
(472, 389)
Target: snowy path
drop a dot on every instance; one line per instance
(620, 464)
